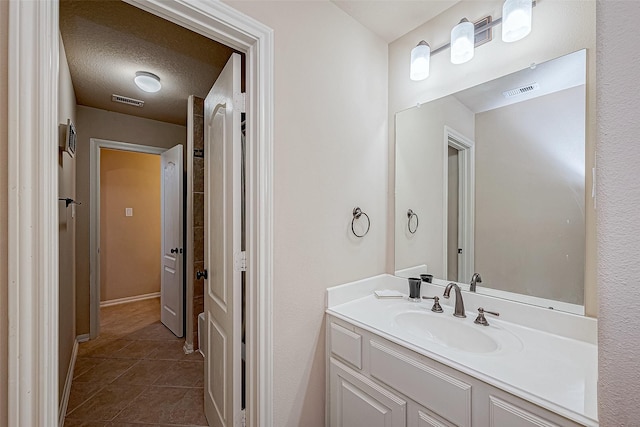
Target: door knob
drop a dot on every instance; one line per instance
(174, 251)
(201, 274)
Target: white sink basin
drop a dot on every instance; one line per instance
(449, 331)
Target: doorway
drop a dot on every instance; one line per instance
(33, 395)
(130, 221)
(98, 262)
(459, 210)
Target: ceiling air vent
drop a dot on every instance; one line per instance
(125, 100)
(521, 90)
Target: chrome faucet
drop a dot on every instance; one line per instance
(459, 307)
(474, 280)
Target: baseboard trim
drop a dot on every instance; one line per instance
(83, 338)
(188, 348)
(129, 299)
(67, 384)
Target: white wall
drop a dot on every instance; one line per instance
(421, 149)
(330, 155)
(618, 201)
(559, 27)
(66, 227)
(530, 196)
(4, 111)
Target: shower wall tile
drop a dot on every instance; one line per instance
(198, 244)
(198, 285)
(198, 305)
(198, 210)
(198, 106)
(198, 215)
(198, 175)
(198, 132)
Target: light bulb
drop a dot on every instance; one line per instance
(420, 56)
(516, 20)
(462, 42)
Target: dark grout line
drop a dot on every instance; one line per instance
(130, 404)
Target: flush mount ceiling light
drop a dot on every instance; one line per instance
(516, 20)
(420, 56)
(148, 82)
(516, 24)
(462, 42)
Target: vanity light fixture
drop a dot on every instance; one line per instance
(516, 20)
(462, 42)
(516, 24)
(420, 56)
(147, 82)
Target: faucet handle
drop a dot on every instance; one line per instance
(481, 320)
(437, 308)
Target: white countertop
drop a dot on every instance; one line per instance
(556, 372)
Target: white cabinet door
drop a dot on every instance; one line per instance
(356, 401)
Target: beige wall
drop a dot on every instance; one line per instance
(94, 123)
(330, 155)
(559, 27)
(618, 199)
(66, 227)
(530, 196)
(4, 333)
(129, 246)
(419, 171)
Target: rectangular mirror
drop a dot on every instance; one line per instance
(492, 180)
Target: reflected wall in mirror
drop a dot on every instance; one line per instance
(496, 176)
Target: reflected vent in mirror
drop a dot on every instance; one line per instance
(126, 100)
(521, 90)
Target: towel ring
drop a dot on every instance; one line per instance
(357, 213)
(411, 214)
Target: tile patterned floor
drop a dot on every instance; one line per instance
(135, 374)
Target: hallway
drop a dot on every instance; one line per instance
(135, 373)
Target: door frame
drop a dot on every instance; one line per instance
(466, 200)
(33, 61)
(94, 220)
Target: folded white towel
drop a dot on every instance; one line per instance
(387, 293)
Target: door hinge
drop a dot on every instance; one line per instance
(240, 261)
(240, 102)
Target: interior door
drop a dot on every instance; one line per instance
(171, 289)
(222, 297)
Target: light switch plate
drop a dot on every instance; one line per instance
(128, 211)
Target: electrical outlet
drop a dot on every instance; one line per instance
(128, 211)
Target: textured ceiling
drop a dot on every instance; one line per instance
(106, 42)
(391, 19)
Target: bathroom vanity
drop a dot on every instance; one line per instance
(392, 362)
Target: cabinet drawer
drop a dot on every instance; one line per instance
(443, 394)
(346, 344)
